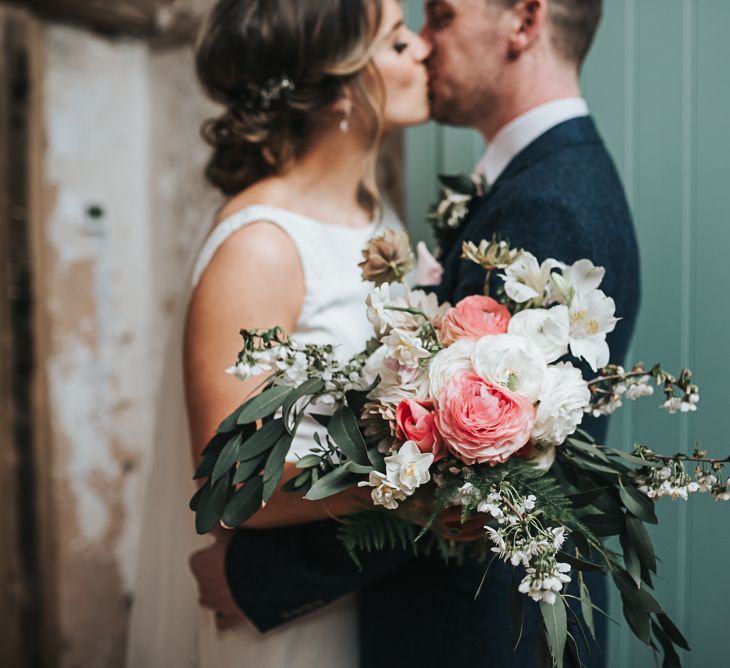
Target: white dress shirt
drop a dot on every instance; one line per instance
(521, 132)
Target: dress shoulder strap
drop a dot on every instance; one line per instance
(296, 226)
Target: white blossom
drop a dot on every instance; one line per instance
(591, 319)
(583, 277)
(526, 280)
(564, 398)
(382, 318)
(409, 468)
(511, 361)
(548, 329)
(386, 492)
(544, 586)
(640, 388)
(406, 349)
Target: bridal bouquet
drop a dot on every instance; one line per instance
(476, 405)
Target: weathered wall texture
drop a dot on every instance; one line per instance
(123, 167)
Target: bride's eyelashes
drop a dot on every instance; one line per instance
(400, 47)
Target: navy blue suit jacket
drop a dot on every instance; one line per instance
(561, 198)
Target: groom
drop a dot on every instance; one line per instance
(509, 69)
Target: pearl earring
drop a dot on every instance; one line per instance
(345, 124)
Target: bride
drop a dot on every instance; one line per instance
(309, 88)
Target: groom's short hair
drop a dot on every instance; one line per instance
(574, 24)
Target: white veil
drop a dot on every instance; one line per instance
(165, 618)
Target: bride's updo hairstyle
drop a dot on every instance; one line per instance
(276, 66)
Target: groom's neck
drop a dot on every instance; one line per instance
(526, 88)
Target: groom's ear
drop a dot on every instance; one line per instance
(528, 18)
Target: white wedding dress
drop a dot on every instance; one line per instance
(168, 627)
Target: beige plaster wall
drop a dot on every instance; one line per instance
(121, 124)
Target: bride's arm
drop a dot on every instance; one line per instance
(255, 280)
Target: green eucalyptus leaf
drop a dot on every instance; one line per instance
(308, 461)
(556, 624)
(344, 431)
(639, 620)
(263, 405)
(586, 606)
(459, 183)
(334, 482)
(671, 658)
(590, 465)
(578, 564)
(581, 542)
(227, 458)
(231, 422)
(604, 525)
(638, 597)
(356, 399)
(195, 500)
(324, 420)
(308, 388)
(211, 504)
(583, 499)
(642, 542)
(244, 504)
(636, 503)
(672, 631)
(631, 559)
(633, 459)
(210, 455)
(249, 468)
(377, 459)
(588, 449)
(274, 467)
(262, 440)
(358, 468)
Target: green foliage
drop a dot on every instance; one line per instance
(376, 530)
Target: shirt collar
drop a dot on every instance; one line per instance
(517, 135)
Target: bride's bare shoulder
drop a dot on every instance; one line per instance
(268, 191)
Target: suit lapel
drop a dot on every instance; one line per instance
(575, 132)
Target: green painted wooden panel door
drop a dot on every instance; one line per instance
(658, 84)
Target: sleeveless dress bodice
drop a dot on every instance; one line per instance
(333, 312)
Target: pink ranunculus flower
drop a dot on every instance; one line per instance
(481, 422)
(473, 318)
(415, 421)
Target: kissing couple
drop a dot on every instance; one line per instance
(309, 88)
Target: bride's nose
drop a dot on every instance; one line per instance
(421, 48)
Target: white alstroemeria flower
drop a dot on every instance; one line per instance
(583, 277)
(386, 493)
(448, 362)
(527, 280)
(564, 399)
(408, 468)
(548, 329)
(405, 348)
(591, 318)
(392, 389)
(490, 508)
(383, 318)
(511, 361)
(465, 494)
